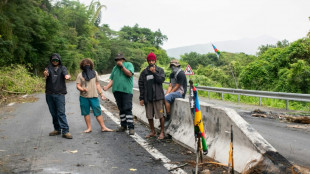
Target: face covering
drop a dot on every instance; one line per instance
(175, 69)
(88, 73)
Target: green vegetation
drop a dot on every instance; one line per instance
(31, 30)
(18, 80)
(284, 67)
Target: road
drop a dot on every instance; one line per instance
(25, 146)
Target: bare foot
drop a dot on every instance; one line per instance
(87, 131)
(106, 130)
(161, 136)
(152, 134)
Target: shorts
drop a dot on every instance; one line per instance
(86, 103)
(172, 96)
(154, 108)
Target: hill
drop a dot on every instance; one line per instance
(246, 45)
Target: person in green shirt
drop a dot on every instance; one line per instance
(121, 81)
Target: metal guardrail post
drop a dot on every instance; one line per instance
(260, 101)
(287, 104)
(238, 98)
(208, 94)
(222, 96)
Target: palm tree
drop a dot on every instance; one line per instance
(94, 10)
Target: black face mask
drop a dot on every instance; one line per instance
(86, 67)
(88, 73)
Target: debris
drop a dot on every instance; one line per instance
(35, 147)
(70, 151)
(131, 169)
(80, 165)
(302, 120)
(206, 171)
(114, 167)
(259, 115)
(11, 104)
(189, 152)
(299, 126)
(178, 167)
(74, 151)
(2, 150)
(91, 165)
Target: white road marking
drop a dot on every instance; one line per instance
(154, 152)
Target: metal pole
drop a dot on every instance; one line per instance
(260, 101)
(222, 96)
(238, 98)
(287, 104)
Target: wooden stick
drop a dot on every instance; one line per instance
(178, 167)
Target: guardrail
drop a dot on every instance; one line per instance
(260, 94)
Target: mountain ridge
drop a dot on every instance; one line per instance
(246, 45)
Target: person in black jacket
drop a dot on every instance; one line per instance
(55, 90)
(152, 94)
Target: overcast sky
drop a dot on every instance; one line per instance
(188, 22)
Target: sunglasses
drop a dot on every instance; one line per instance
(55, 60)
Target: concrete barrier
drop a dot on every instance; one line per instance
(252, 153)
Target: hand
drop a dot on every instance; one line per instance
(152, 69)
(45, 73)
(142, 102)
(119, 63)
(105, 88)
(67, 77)
(103, 97)
(85, 89)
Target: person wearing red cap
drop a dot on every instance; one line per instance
(152, 94)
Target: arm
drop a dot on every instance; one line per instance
(169, 89)
(65, 73)
(126, 72)
(176, 87)
(105, 88)
(80, 88)
(99, 91)
(46, 73)
(141, 87)
(159, 75)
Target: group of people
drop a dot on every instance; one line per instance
(150, 82)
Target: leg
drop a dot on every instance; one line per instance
(119, 102)
(102, 125)
(152, 133)
(167, 105)
(61, 113)
(127, 108)
(95, 105)
(88, 124)
(53, 110)
(85, 111)
(162, 126)
(158, 107)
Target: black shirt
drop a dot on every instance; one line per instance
(181, 79)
